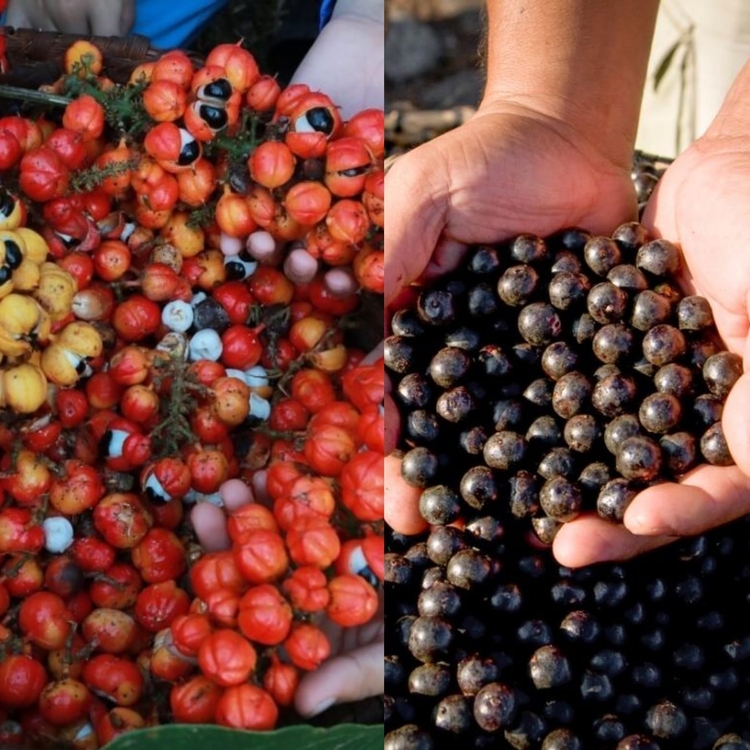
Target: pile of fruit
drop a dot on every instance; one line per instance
(544, 379)
(182, 258)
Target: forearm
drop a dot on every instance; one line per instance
(582, 62)
(368, 10)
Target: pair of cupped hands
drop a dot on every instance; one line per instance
(510, 170)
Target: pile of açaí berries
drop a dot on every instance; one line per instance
(544, 379)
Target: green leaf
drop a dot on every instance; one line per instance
(665, 62)
(189, 737)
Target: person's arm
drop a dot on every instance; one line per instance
(98, 17)
(579, 62)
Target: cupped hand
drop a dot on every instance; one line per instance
(507, 171)
(355, 668)
(97, 17)
(703, 203)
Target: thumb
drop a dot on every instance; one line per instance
(415, 207)
(348, 677)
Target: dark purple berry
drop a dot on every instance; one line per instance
(437, 307)
(571, 394)
(422, 426)
(528, 248)
(560, 499)
(474, 672)
(414, 391)
(559, 462)
(614, 394)
(549, 668)
(523, 494)
(479, 487)
(721, 371)
(453, 714)
(495, 706)
(406, 322)
(714, 446)
(518, 285)
(639, 458)
(539, 324)
(408, 737)
(707, 410)
(505, 450)
(663, 344)
(675, 379)
(439, 504)
(539, 392)
(558, 359)
(430, 639)
(560, 739)
(659, 258)
(419, 467)
(544, 432)
(666, 720)
(546, 528)
(680, 452)
(430, 679)
(694, 313)
(493, 361)
(484, 260)
(630, 236)
(568, 290)
(649, 309)
(614, 498)
(660, 412)
(400, 354)
(613, 343)
(607, 303)
(456, 404)
(602, 254)
(628, 277)
(582, 433)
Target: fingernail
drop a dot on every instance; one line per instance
(322, 706)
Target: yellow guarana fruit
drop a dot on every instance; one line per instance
(11, 211)
(26, 276)
(10, 346)
(23, 316)
(23, 388)
(80, 338)
(61, 366)
(37, 248)
(56, 290)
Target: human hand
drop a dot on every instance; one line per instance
(508, 170)
(701, 203)
(355, 667)
(97, 17)
(346, 60)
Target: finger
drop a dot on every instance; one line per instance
(235, 493)
(446, 257)
(401, 500)
(210, 525)
(127, 17)
(590, 539)
(707, 497)
(348, 677)
(392, 425)
(735, 423)
(415, 220)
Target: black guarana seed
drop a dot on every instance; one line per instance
(439, 504)
(449, 366)
(422, 426)
(649, 309)
(658, 257)
(482, 301)
(608, 729)
(560, 499)
(484, 260)
(596, 687)
(607, 303)
(610, 662)
(493, 362)
(535, 632)
(415, 391)
(527, 731)
(544, 432)
(675, 379)
(539, 324)
(474, 672)
(430, 679)
(572, 239)
(663, 344)
(593, 478)
(721, 371)
(468, 569)
(571, 394)
(666, 720)
(440, 600)
(613, 343)
(694, 313)
(419, 467)
(479, 487)
(583, 328)
(700, 349)
(453, 714)
(523, 494)
(639, 458)
(408, 737)
(558, 462)
(561, 738)
(472, 441)
(443, 542)
(507, 413)
(637, 742)
(714, 446)
(437, 307)
(558, 359)
(485, 529)
(539, 392)
(660, 412)
(495, 706)
(400, 354)
(581, 626)
(614, 394)
(582, 432)
(602, 254)
(456, 404)
(604, 371)
(430, 638)
(505, 450)
(619, 429)
(406, 322)
(528, 248)
(465, 338)
(546, 528)
(614, 498)
(566, 261)
(568, 290)
(549, 668)
(518, 285)
(680, 451)
(706, 410)
(628, 277)
(630, 236)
